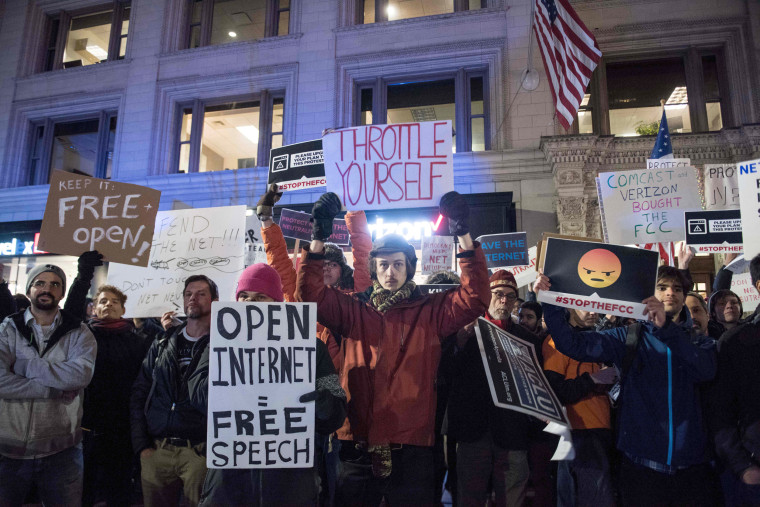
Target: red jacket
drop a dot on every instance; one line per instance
(403, 346)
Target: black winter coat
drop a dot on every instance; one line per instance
(160, 405)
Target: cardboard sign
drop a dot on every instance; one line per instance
(741, 285)
(515, 376)
(525, 275)
(262, 358)
(436, 287)
(609, 279)
(717, 231)
(297, 166)
(114, 218)
(297, 225)
(405, 165)
(721, 184)
(646, 206)
(749, 203)
(503, 250)
(667, 163)
(437, 254)
(204, 241)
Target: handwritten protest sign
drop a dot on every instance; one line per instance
(297, 225)
(515, 376)
(262, 358)
(667, 163)
(647, 206)
(525, 274)
(205, 241)
(742, 286)
(749, 203)
(297, 166)
(437, 253)
(721, 186)
(716, 231)
(502, 250)
(405, 165)
(598, 277)
(84, 213)
(255, 250)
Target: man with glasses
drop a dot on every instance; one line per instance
(492, 442)
(47, 358)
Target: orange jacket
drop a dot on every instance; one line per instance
(404, 345)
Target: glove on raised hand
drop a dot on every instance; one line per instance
(455, 208)
(87, 263)
(267, 202)
(324, 212)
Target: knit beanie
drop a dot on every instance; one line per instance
(335, 254)
(45, 268)
(261, 278)
(503, 278)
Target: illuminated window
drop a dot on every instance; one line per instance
(212, 22)
(391, 10)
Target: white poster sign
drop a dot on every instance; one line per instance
(647, 206)
(667, 163)
(749, 203)
(263, 358)
(525, 274)
(405, 165)
(742, 286)
(255, 251)
(721, 186)
(205, 241)
(437, 253)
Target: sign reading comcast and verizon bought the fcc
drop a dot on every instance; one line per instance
(597, 277)
(297, 166)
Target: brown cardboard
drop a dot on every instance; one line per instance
(114, 218)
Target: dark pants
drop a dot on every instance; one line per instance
(586, 480)
(108, 460)
(58, 478)
(411, 481)
(694, 486)
(286, 487)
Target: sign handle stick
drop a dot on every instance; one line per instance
(295, 252)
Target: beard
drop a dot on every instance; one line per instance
(40, 305)
(501, 313)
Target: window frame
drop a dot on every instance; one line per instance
(36, 176)
(462, 102)
(63, 20)
(271, 23)
(198, 107)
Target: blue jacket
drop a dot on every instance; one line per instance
(660, 416)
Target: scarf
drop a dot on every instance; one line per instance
(111, 324)
(384, 299)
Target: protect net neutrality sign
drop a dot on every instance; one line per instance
(262, 358)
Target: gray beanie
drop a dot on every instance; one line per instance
(44, 268)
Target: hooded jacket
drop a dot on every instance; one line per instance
(660, 417)
(401, 394)
(34, 421)
(160, 404)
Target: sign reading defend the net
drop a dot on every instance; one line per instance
(262, 359)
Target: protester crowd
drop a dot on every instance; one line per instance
(664, 410)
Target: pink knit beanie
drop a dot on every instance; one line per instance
(261, 278)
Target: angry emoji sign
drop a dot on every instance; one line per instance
(599, 268)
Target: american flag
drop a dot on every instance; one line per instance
(667, 251)
(569, 52)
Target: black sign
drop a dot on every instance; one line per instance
(297, 225)
(438, 287)
(297, 166)
(714, 231)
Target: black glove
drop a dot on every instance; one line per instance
(455, 208)
(324, 212)
(267, 202)
(87, 262)
(323, 402)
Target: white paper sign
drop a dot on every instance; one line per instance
(741, 285)
(263, 357)
(255, 251)
(205, 241)
(404, 165)
(525, 274)
(749, 201)
(437, 253)
(667, 163)
(646, 206)
(721, 186)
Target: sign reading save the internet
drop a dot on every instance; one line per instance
(502, 250)
(405, 165)
(84, 213)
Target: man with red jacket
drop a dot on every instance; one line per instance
(393, 446)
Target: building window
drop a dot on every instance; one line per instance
(81, 146)
(77, 39)
(440, 98)
(212, 22)
(391, 10)
(216, 136)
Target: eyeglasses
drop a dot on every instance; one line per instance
(502, 295)
(41, 284)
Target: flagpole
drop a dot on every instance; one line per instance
(529, 78)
